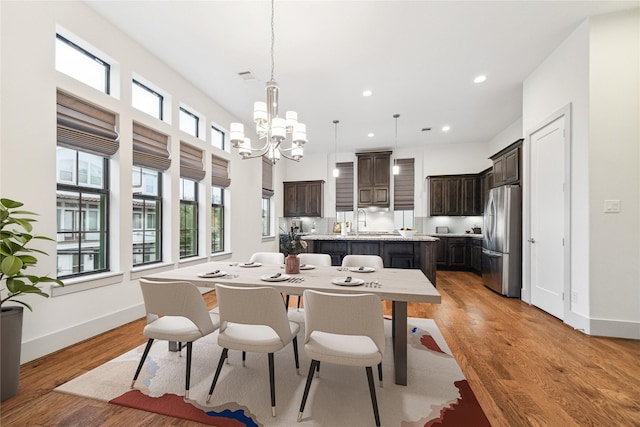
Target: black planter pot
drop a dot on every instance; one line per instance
(10, 345)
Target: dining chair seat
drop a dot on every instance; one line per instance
(253, 338)
(350, 350)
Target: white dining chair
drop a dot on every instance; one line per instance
(267, 257)
(253, 320)
(320, 260)
(176, 312)
(346, 330)
(373, 261)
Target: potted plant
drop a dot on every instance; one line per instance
(15, 258)
(291, 245)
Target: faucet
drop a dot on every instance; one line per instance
(358, 219)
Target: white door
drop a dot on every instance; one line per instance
(547, 217)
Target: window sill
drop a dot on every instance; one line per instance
(143, 270)
(79, 284)
(268, 238)
(220, 255)
(192, 261)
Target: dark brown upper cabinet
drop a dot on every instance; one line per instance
(454, 195)
(507, 165)
(303, 198)
(374, 179)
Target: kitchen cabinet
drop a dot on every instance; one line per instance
(303, 198)
(476, 255)
(457, 252)
(374, 179)
(454, 195)
(507, 165)
(486, 183)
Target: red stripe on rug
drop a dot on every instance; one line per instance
(430, 343)
(173, 406)
(466, 410)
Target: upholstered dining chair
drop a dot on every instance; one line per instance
(177, 312)
(373, 261)
(267, 257)
(320, 260)
(346, 330)
(253, 320)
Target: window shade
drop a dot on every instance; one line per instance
(220, 172)
(267, 178)
(403, 186)
(191, 166)
(150, 148)
(85, 127)
(344, 187)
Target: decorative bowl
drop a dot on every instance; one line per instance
(408, 233)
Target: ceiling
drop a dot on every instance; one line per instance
(418, 57)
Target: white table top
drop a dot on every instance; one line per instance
(395, 284)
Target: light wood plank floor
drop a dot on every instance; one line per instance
(526, 367)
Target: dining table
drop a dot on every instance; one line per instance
(397, 285)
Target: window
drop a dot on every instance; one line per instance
(217, 219)
(189, 122)
(346, 216)
(217, 138)
(266, 216)
(81, 214)
(84, 66)
(188, 218)
(147, 216)
(147, 100)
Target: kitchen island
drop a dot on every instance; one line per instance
(417, 252)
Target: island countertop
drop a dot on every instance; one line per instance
(370, 236)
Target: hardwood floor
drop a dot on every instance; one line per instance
(526, 367)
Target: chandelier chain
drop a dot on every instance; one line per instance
(273, 38)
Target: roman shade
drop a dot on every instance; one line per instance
(267, 178)
(220, 172)
(85, 127)
(191, 166)
(403, 188)
(344, 187)
(150, 148)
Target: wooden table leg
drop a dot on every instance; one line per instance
(399, 325)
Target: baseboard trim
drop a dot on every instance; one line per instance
(44, 345)
(614, 328)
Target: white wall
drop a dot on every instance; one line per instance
(27, 165)
(614, 171)
(508, 136)
(596, 71)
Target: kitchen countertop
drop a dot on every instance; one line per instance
(472, 235)
(371, 236)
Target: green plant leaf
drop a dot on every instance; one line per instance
(23, 303)
(11, 265)
(10, 204)
(28, 259)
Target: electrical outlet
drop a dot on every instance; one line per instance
(574, 297)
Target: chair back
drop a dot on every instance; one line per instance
(373, 261)
(253, 306)
(320, 260)
(176, 299)
(267, 257)
(344, 314)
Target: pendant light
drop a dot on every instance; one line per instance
(396, 167)
(336, 171)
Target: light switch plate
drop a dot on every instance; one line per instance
(612, 206)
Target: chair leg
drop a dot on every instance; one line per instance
(223, 356)
(295, 354)
(144, 356)
(286, 302)
(272, 385)
(188, 378)
(380, 373)
(312, 369)
(299, 299)
(318, 369)
(244, 358)
(372, 390)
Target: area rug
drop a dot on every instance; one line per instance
(437, 393)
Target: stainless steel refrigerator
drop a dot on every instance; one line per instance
(502, 242)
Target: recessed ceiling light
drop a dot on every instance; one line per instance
(367, 93)
(480, 79)
(371, 135)
(446, 128)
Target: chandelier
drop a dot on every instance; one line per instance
(271, 128)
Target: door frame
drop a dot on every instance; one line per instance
(527, 205)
